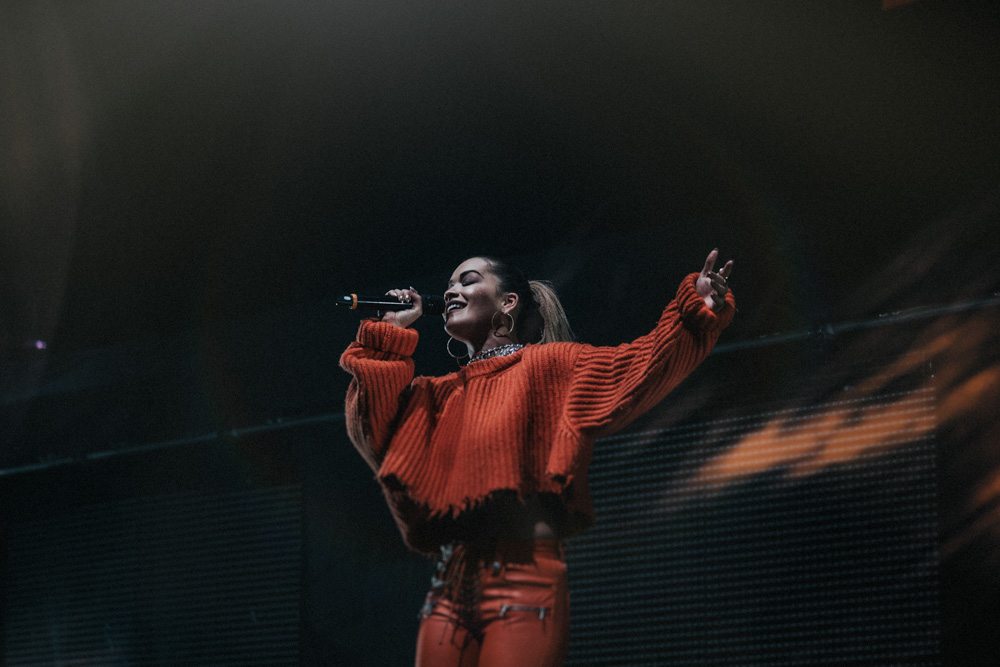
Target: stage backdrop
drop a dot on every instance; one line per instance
(806, 500)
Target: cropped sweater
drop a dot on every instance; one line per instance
(515, 425)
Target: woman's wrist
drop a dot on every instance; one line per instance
(387, 337)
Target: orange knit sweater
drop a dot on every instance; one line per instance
(523, 423)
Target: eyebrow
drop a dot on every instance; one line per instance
(462, 276)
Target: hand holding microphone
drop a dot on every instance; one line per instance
(404, 318)
(401, 307)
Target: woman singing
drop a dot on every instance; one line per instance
(487, 466)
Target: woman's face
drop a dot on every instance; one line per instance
(472, 300)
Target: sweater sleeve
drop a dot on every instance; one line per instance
(380, 361)
(612, 386)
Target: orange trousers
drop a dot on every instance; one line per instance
(505, 607)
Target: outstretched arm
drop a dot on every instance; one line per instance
(614, 385)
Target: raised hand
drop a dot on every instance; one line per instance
(404, 318)
(712, 285)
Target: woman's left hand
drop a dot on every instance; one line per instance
(712, 285)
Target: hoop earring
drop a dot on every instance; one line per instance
(496, 329)
(456, 357)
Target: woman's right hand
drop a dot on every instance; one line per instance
(404, 318)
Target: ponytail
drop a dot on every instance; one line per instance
(540, 318)
(555, 325)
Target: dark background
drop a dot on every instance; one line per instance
(172, 165)
(185, 188)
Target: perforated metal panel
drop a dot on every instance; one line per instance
(187, 579)
(786, 537)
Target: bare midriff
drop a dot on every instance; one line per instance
(543, 524)
(543, 531)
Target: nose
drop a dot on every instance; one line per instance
(450, 293)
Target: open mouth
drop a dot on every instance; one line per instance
(453, 307)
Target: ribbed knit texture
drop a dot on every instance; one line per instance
(524, 422)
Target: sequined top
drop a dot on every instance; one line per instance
(499, 351)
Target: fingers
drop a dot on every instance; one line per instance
(726, 270)
(409, 295)
(710, 262)
(720, 279)
(715, 283)
(403, 295)
(404, 318)
(710, 265)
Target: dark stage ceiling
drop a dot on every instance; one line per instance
(167, 165)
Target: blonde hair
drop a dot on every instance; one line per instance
(554, 323)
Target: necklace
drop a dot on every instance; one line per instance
(499, 351)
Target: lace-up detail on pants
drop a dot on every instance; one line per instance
(505, 605)
(458, 579)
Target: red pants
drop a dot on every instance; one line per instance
(506, 608)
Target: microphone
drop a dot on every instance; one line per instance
(433, 304)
